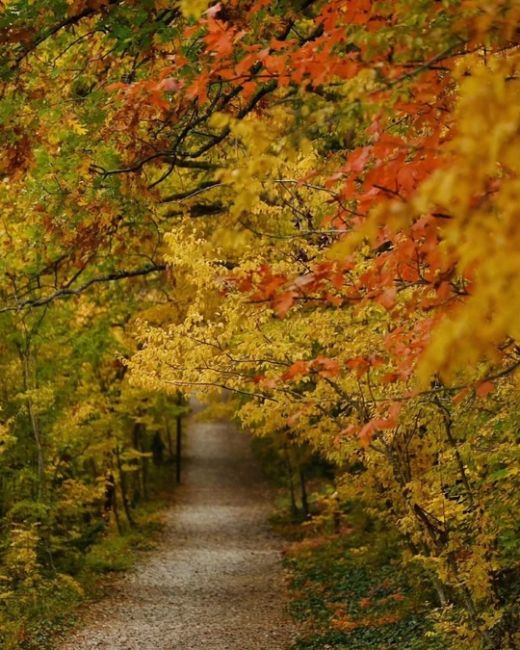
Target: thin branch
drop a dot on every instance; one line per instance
(181, 196)
(445, 390)
(209, 384)
(66, 291)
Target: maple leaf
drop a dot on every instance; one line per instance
(219, 38)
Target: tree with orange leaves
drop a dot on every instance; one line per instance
(326, 193)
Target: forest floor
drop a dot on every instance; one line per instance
(215, 581)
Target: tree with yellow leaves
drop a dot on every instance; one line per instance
(314, 204)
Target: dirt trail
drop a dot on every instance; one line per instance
(215, 582)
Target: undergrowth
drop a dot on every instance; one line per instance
(354, 597)
(41, 611)
(348, 590)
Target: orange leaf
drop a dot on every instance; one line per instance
(283, 302)
(298, 369)
(460, 395)
(485, 388)
(387, 298)
(325, 367)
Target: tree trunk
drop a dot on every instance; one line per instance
(142, 472)
(35, 427)
(290, 481)
(123, 488)
(303, 493)
(169, 441)
(178, 455)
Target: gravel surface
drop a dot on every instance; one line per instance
(215, 582)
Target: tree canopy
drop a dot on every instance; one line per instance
(312, 204)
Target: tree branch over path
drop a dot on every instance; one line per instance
(64, 292)
(186, 159)
(54, 29)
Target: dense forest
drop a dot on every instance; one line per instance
(309, 205)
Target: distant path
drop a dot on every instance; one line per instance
(215, 582)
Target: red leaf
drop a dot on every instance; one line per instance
(298, 369)
(485, 388)
(379, 424)
(119, 85)
(359, 364)
(325, 367)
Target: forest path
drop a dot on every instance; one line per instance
(215, 582)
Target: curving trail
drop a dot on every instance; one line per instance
(215, 582)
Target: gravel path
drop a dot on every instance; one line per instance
(215, 582)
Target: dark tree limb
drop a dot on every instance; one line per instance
(67, 291)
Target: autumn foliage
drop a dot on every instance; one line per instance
(311, 204)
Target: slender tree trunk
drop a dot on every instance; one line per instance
(336, 515)
(178, 455)
(453, 444)
(35, 427)
(290, 481)
(45, 532)
(123, 488)
(402, 474)
(303, 492)
(142, 472)
(115, 510)
(169, 441)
